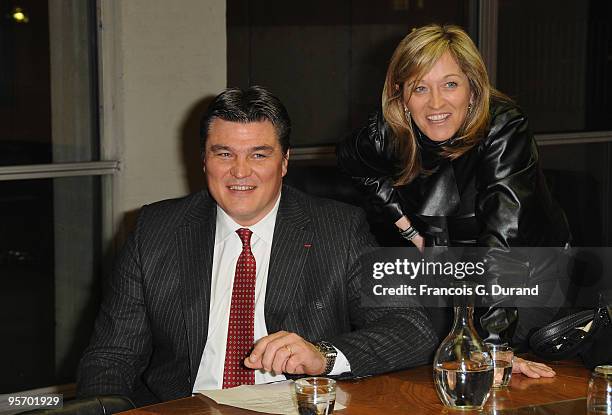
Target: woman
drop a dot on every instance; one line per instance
(451, 162)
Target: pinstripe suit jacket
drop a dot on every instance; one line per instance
(153, 323)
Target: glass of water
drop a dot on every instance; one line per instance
(502, 356)
(315, 395)
(599, 396)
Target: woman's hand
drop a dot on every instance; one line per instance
(419, 242)
(403, 223)
(532, 369)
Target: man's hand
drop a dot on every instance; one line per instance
(532, 369)
(284, 352)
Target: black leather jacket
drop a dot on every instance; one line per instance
(494, 195)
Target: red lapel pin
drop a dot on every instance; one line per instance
(307, 245)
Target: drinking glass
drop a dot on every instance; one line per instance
(502, 356)
(599, 396)
(315, 395)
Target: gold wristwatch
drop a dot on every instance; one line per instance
(329, 352)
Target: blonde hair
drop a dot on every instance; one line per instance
(415, 55)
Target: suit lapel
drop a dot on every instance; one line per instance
(290, 247)
(195, 242)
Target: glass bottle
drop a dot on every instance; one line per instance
(463, 370)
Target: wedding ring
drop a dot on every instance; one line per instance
(289, 348)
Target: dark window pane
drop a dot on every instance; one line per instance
(553, 57)
(53, 45)
(49, 260)
(326, 60)
(25, 100)
(581, 188)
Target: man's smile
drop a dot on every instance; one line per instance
(241, 187)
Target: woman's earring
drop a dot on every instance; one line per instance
(407, 115)
(469, 108)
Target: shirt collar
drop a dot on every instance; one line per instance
(264, 229)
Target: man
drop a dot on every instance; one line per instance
(244, 281)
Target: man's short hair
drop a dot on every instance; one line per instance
(247, 105)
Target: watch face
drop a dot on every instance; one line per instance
(327, 349)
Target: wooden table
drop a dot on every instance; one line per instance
(412, 392)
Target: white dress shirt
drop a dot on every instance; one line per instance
(228, 247)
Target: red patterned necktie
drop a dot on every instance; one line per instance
(241, 328)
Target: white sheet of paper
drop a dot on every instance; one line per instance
(273, 398)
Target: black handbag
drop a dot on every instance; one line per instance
(566, 338)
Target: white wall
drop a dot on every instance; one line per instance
(159, 59)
